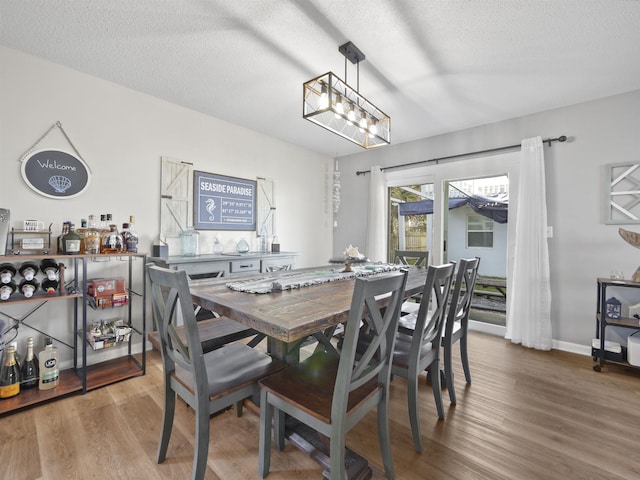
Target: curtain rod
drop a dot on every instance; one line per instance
(562, 138)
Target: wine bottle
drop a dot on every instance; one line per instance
(50, 286)
(71, 241)
(7, 289)
(48, 363)
(28, 270)
(9, 375)
(30, 371)
(50, 268)
(7, 272)
(29, 287)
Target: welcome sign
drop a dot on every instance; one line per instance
(55, 173)
(224, 203)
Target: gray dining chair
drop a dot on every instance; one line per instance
(207, 382)
(417, 346)
(457, 323)
(417, 258)
(331, 392)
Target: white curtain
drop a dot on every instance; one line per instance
(377, 223)
(529, 291)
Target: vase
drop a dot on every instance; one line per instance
(242, 246)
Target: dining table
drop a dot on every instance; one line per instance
(289, 308)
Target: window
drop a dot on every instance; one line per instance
(479, 231)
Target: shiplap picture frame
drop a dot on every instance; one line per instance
(622, 193)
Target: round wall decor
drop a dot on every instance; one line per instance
(55, 173)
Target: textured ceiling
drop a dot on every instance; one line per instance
(433, 66)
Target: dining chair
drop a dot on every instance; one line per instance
(417, 346)
(457, 323)
(330, 391)
(417, 258)
(207, 382)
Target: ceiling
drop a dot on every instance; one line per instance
(433, 66)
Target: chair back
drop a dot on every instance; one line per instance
(432, 312)
(379, 324)
(462, 293)
(409, 257)
(171, 302)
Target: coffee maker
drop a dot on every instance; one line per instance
(4, 230)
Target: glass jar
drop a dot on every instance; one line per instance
(190, 242)
(242, 246)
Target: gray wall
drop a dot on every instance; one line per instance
(583, 248)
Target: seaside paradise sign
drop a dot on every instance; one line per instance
(55, 173)
(223, 203)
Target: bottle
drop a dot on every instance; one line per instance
(29, 287)
(71, 241)
(190, 240)
(7, 289)
(103, 227)
(50, 286)
(131, 239)
(7, 272)
(50, 268)
(81, 231)
(48, 363)
(28, 270)
(111, 241)
(92, 237)
(275, 245)
(9, 375)
(30, 371)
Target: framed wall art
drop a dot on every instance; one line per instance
(622, 193)
(223, 203)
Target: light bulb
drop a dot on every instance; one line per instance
(363, 121)
(373, 128)
(324, 98)
(339, 108)
(351, 116)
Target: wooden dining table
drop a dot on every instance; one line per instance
(289, 318)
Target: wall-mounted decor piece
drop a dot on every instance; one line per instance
(622, 197)
(266, 208)
(223, 203)
(176, 197)
(55, 173)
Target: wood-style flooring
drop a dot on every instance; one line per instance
(527, 415)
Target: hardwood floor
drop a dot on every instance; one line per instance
(527, 415)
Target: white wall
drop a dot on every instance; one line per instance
(583, 247)
(122, 134)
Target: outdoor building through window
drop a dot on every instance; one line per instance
(479, 231)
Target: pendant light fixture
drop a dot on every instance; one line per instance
(330, 102)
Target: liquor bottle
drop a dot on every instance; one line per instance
(111, 241)
(71, 241)
(50, 268)
(50, 286)
(81, 231)
(92, 237)
(28, 270)
(7, 272)
(48, 363)
(7, 289)
(30, 371)
(29, 287)
(131, 241)
(9, 375)
(103, 227)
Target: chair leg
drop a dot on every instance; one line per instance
(337, 452)
(465, 359)
(385, 436)
(448, 373)
(167, 422)
(435, 385)
(414, 418)
(264, 444)
(202, 443)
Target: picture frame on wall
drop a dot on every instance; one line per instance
(223, 203)
(622, 193)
